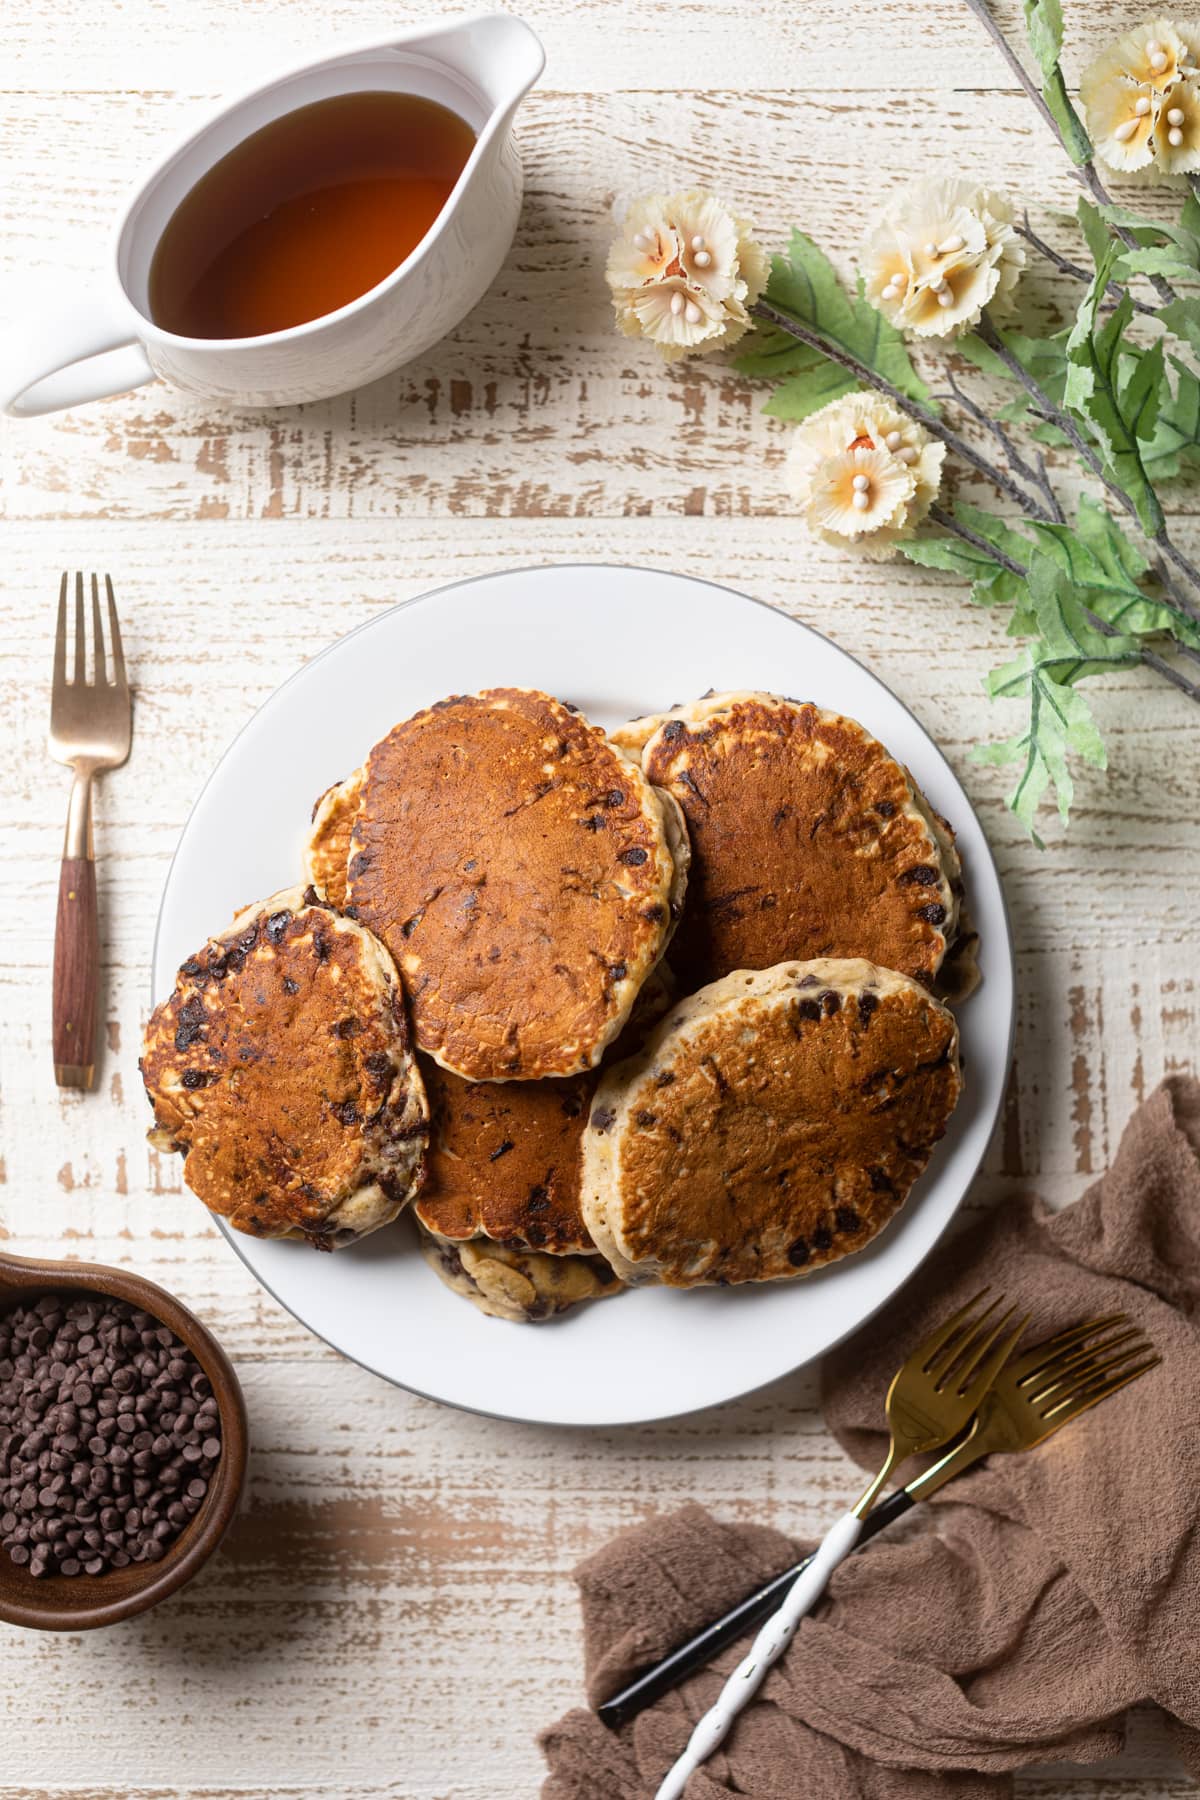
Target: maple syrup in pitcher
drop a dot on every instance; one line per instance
(306, 214)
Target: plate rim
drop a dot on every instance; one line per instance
(669, 575)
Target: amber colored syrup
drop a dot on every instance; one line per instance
(306, 214)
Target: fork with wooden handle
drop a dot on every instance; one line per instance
(931, 1400)
(90, 728)
(1032, 1397)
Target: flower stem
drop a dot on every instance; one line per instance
(1055, 415)
(1076, 270)
(783, 321)
(1087, 175)
(1152, 660)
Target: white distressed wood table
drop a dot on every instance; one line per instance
(393, 1615)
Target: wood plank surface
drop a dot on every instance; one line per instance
(345, 1644)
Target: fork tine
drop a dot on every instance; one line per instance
(966, 1342)
(1059, 1367)
(80, 676)
(941, 1349)
(114, 626)
(1069, 1409)
(60, 634)
(983, 1370)
(100, 676)
(1078, 1379)
(1035, 1360)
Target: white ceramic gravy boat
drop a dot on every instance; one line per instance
(106, 342)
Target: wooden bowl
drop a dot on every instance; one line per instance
(83, 1602)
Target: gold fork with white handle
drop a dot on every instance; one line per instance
(930, 1402)
(91, 725)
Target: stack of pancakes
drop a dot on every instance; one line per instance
(471, 1010)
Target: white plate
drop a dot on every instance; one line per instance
(618, 642)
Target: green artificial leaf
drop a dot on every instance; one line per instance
(1182, 316)
(1060, 724)
(1044, 25)
(1095, 231)
(1177, 433)
(807, 390)
(992, 584)
(1107, 568)
(1076, 142)
(1094, 391)
(805, 286)
(1184, 237)
(1071, 646)
(1151, 260)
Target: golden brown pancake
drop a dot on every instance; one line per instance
(808, 839)
(504, 1156)
(281, 1068)
(774, 1122)
(523, 874)
(519, 1285)
(328, 848)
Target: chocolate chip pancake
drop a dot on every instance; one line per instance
(504, 1156)
(773, 1123)
(525, 877)
(327, 850)
(808, 839)
(280, 1067)
(520, 1285)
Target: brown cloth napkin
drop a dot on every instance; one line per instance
(1014, 1619)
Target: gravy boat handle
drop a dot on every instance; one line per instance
(85, 350)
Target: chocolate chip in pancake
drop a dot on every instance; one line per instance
(808, 840)
(525, 877)
(773, 1123)
(281, 1069)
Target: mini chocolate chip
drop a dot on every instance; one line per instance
(248, 940)
(880, 1181)
(617, 971)
(633, 858)
(602, 1118)
(886, 809)
(186, 1036)
(345, 1112)
(378, 1063)
(538, 1201)
(664, 1079)
(808, 1009)
(597, 822)
(807, 981)
(321, 945)
(846, 1219)
(646, 1119)
(194, 1078)
(934, 913)
(798, 1253)
(672, 731)
(654, 913)
(831, 1001)
(345, 1028)
(920, 875)
(191, 967)
(235, 960)
(822, 1238)
(614, 797)
(290, 986)
(501, 1150)
(867, 1004)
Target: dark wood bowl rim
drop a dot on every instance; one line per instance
(86, 1602)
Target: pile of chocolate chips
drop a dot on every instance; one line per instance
(109, 1435)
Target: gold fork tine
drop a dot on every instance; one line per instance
(99, 674)
(977, 1378)
(80, 635)
(60, 635)
(1069, 1409)
(1035, 1360)
(114, 632)
(939, 1349)
(1061, 1367)
(1079, 1379)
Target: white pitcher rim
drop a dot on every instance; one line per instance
(395, 39)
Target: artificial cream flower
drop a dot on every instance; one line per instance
(864, 472)
(940, 252)
(684, 272)
(1141, 97)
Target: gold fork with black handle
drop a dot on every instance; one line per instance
(1034, 1396)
